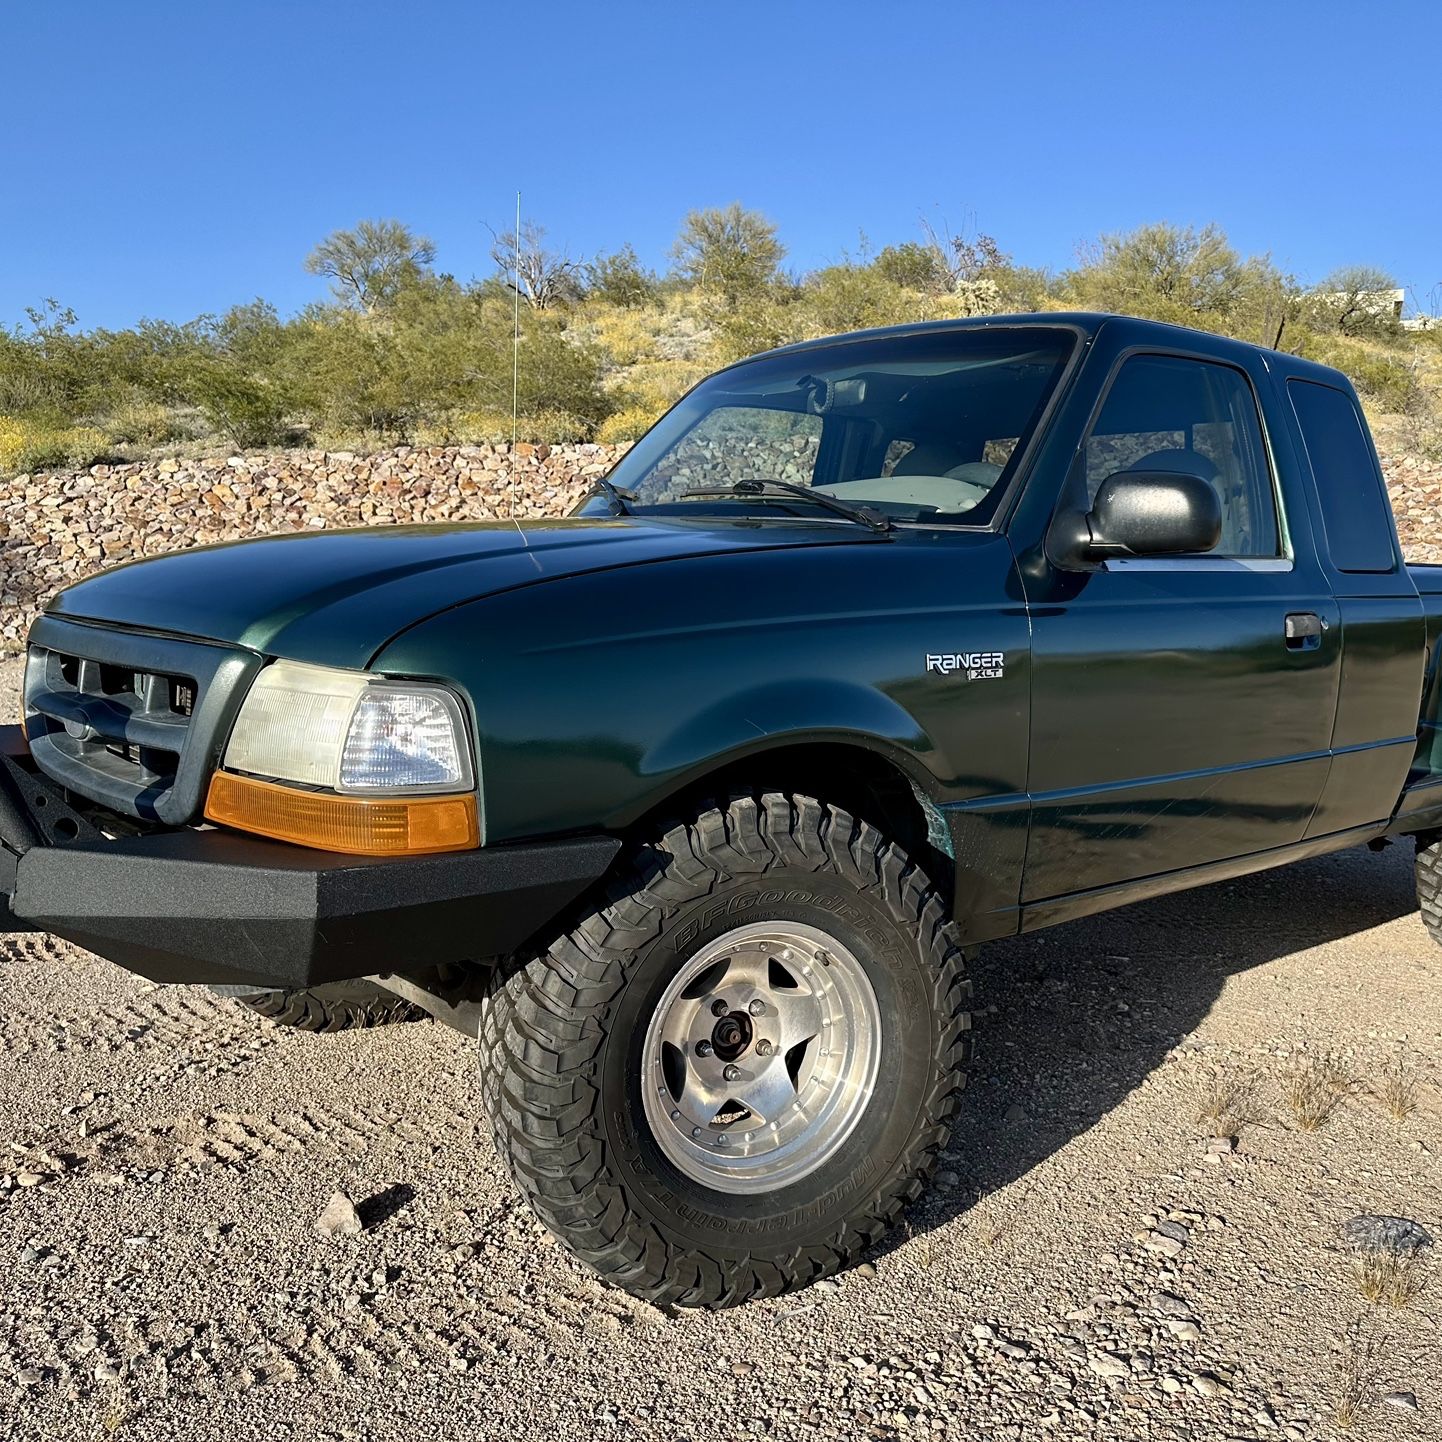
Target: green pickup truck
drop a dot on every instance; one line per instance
(692, 806)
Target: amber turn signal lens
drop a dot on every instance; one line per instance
(360, 825)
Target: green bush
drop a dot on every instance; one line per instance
(628, 424)
(621, 279)
(855, 297)
(1386, 378)
(33, 445)
(143, 424)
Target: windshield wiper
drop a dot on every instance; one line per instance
(775, 490)
(613, 493)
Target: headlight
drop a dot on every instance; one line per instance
(351, 733)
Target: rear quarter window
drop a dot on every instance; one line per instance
(1355, 514)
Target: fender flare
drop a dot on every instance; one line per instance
(749, 723)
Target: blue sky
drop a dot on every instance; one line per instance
(169, 157)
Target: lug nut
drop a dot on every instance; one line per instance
(731, 1073)
(757, 1007)
(763, 1048)
(703, 1048)
(719, 1007)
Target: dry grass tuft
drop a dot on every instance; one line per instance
(1390, 1279)
(1356, 1377)
(1349, 1403)
(1397, 1091)
(1226, 1101)
(1314, 1089)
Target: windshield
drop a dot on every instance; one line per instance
(924, 426)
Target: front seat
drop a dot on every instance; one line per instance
(929, 458)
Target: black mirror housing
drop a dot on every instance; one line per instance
(1154, 513)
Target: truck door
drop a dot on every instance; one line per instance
(1182, 707)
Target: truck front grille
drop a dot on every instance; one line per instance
(132, 721)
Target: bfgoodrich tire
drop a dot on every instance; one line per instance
(775, 960)
(1429, 881)
(337, 1006)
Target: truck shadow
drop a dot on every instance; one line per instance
(1086, 1011)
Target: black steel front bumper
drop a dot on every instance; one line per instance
(207, 906)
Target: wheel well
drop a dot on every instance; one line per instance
(860, 781)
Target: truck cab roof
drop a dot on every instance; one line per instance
(1125, 329)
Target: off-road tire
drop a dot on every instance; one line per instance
(560, 1039)
(337, 1006)
(1429, 881)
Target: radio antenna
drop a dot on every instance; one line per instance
(515, 351)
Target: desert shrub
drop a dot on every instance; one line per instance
(855, 297)
(729, 253)
(629, 424)
(1385, 377)
(627, 337)
(1185, 276)
(36, 445)
(766, 322)
(249, 410)
(481, 426)
(913, 265)
(14, 435)
(657, 385)
(1389, 380)
(556, 427)
(142, 424)
(440, 352)
(620, 279)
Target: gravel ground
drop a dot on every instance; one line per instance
(1085, 1267)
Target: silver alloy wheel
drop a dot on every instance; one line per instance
(761, 1057)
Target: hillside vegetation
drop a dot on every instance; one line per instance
(404, 352)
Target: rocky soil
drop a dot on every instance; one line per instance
(1138, 1231)
(57, 528)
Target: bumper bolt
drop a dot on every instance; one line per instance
(731, 1073)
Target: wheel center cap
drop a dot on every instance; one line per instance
(731, 1035)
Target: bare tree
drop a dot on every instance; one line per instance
(543, 277)
(1428, 306)
(961, 261)
(368, 265)
(1358, 298)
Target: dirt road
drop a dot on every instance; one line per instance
(1084, 1268)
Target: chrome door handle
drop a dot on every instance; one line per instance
(1303, 631)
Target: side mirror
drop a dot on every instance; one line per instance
(1154, 513)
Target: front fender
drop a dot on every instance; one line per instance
(804, 709)
(783, 713)
(595, 697)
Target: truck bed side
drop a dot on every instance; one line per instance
(1421, 803)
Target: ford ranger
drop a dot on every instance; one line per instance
(692, 806)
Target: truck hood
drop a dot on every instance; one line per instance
(336, 597)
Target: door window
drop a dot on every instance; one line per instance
(1354, 498)
(1168, 413)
